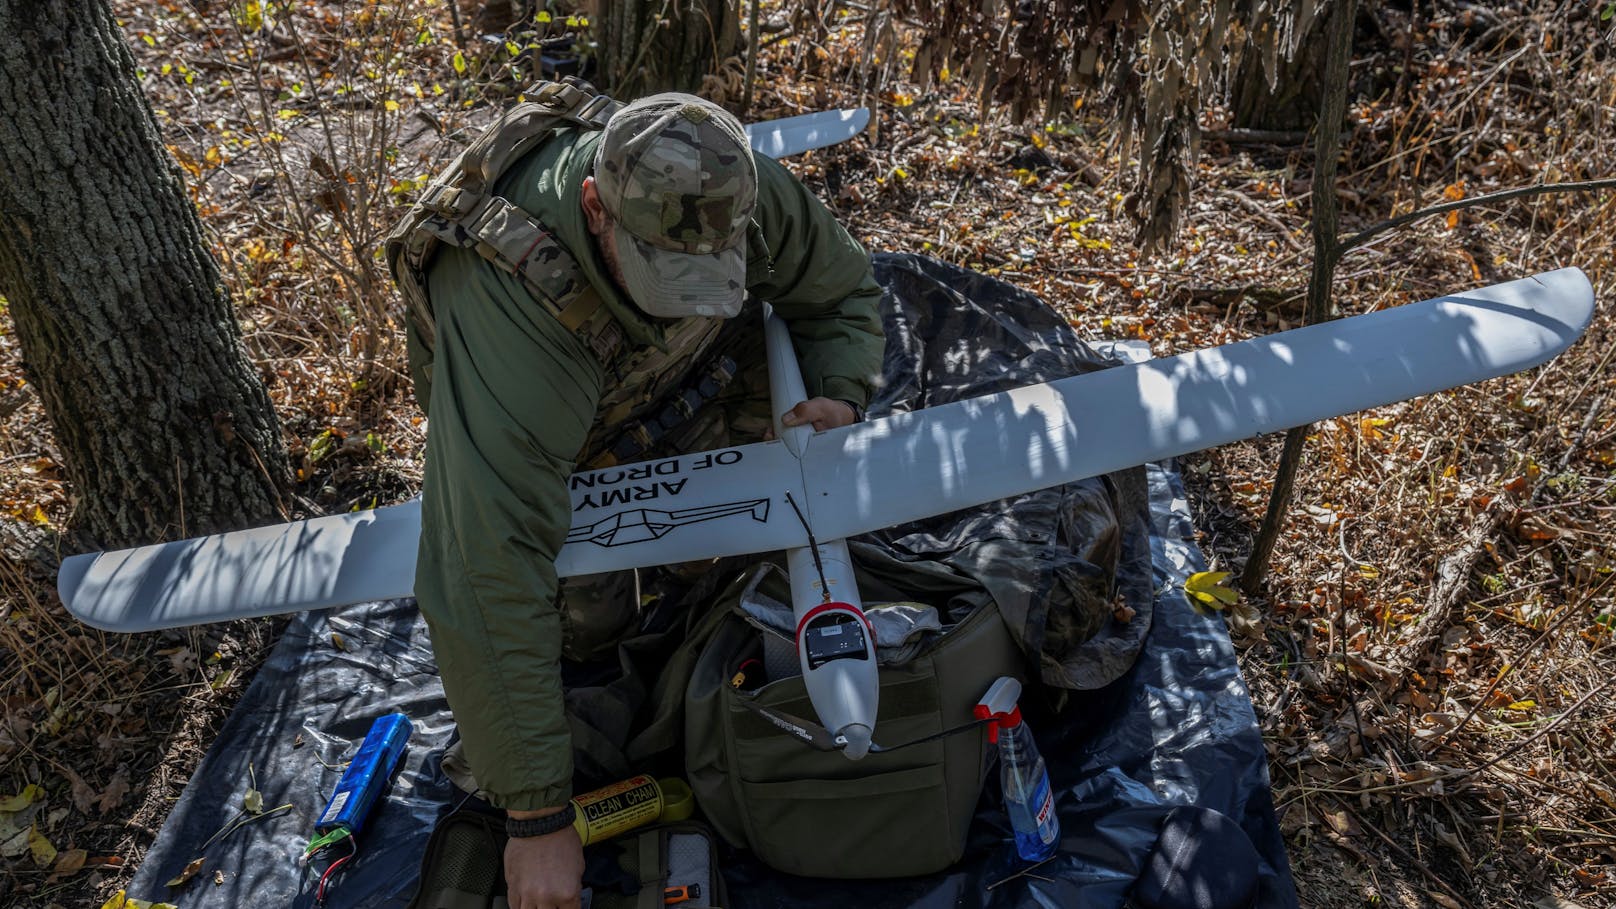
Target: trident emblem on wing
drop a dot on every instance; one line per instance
(640, 525)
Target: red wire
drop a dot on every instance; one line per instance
(319, 893)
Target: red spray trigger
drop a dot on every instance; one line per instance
(999, 706)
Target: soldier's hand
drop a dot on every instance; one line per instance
(820, 413)
(544, 872)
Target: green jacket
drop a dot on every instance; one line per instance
(512, 395)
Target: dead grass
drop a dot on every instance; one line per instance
(1472, 770)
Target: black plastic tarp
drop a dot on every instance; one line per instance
(1177, 728)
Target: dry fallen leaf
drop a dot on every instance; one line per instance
(70, 861)
(184, 877)
(115, 791)
(82, 793)
(13, 842)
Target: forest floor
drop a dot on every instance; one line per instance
(1431, 656)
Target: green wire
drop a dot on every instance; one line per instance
(326, 839)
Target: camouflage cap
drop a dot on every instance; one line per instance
(677, 177)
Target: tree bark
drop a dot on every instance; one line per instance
(125, 329)
(666, 46)
(1297, 95)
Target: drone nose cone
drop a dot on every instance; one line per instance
(857, 737)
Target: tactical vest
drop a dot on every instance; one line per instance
(460, 208)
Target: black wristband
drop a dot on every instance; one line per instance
(541, 826)
(858, 412)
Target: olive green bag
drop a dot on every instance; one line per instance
(816, 813)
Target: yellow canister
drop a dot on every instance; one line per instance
(634, 802)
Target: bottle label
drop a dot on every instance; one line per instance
(1044, 813)
(604, 813)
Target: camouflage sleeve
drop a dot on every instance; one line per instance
(821, 284)
(512, 397)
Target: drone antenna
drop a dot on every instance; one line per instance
(813, 547)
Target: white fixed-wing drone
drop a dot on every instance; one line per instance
(806, 492)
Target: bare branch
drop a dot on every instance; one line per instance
(1326, 253)
(1369, 233)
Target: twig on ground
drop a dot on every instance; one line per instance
(1446, 596)
(1273, 221)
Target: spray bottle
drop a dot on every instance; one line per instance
(1027, 796)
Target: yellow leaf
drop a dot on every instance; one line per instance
(213, 156)
(29, 794)
(221, 680)
(1368, 571)
(44, 852)
(190, 871)
(116, 901)
(1523, 706)
(390, 104)
(336, 639)
(459, 62)
(541, 17)
(253, 801)
(38, 516)
(249, 16)
(286, 114)
(185, 160)
(1208, 587)
(150, 41)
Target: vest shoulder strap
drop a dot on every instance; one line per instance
(460, 209)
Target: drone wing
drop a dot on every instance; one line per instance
(875, 474)
(716, 503)
(940, 459)
(340, 559)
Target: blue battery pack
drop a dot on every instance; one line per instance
(367, 775)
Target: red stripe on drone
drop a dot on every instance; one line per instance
(831, 607)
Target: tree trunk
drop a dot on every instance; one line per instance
(645, 48)
(1298, 90)
(125, 329)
